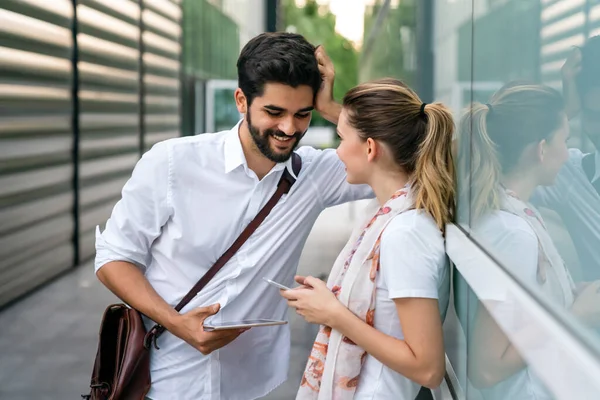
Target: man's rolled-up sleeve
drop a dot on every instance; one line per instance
(138, 217)
(331, 181)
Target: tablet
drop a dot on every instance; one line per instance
(249, 323)
(277, 285)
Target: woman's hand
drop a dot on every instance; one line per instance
(314, 301)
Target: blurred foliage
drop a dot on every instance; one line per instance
(389, 47)
(317, 24)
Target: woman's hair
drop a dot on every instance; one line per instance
(419, 139)
(493, 136)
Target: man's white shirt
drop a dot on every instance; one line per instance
(188, 199)
(577, 202)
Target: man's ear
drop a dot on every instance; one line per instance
(241, 102)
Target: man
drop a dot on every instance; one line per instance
(189, 198)
(575, 196)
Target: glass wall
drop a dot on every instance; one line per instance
(523, 80)
(210, 48)
(389, 43)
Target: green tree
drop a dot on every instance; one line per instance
(384, 53)
(317, 24)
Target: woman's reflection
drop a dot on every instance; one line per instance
(575, 196)
(515, 143)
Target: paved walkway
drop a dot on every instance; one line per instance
(48, 340)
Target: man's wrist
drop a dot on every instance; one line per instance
(171, 322)
(332, 112)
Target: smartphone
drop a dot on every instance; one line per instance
(250, 323)
(277, 285)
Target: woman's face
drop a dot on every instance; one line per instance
(353, 151)
(554, 153)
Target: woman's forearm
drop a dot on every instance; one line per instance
(493, 356)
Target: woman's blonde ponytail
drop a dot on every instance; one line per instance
(419, 137)
(434, 182)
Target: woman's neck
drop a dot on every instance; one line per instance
(384, 185)
(523, 186)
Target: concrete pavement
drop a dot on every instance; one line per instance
(48, 339)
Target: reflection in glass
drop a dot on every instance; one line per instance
(575, 195)
(525, 196)
(495, 365)
(517, 143)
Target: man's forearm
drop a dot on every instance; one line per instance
(571, 96)
(128, 283)
(332, 112)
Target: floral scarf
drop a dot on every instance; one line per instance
(335, 362)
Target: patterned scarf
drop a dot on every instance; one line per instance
(335, 362)
(552, 274)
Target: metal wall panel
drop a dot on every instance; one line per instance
(70, 137)
(109, 136)
(594, 20)
(36, 144)
(161, 70)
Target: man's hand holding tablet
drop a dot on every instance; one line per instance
(246, 324)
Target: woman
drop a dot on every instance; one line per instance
(513, 145)
(381, 310)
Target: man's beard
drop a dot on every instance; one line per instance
(261, 140)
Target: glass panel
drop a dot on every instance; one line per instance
(494, 330)
(452, 54)
(389, 42)
(518, 76)
(221, 110)
(527, 91)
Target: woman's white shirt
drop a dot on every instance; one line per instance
(413, 264)
(514, 244)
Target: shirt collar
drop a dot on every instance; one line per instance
(288, 165)
(234, 154)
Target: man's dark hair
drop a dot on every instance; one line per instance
(589, 77)
(277, 57)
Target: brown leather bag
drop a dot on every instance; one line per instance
(122, 365)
